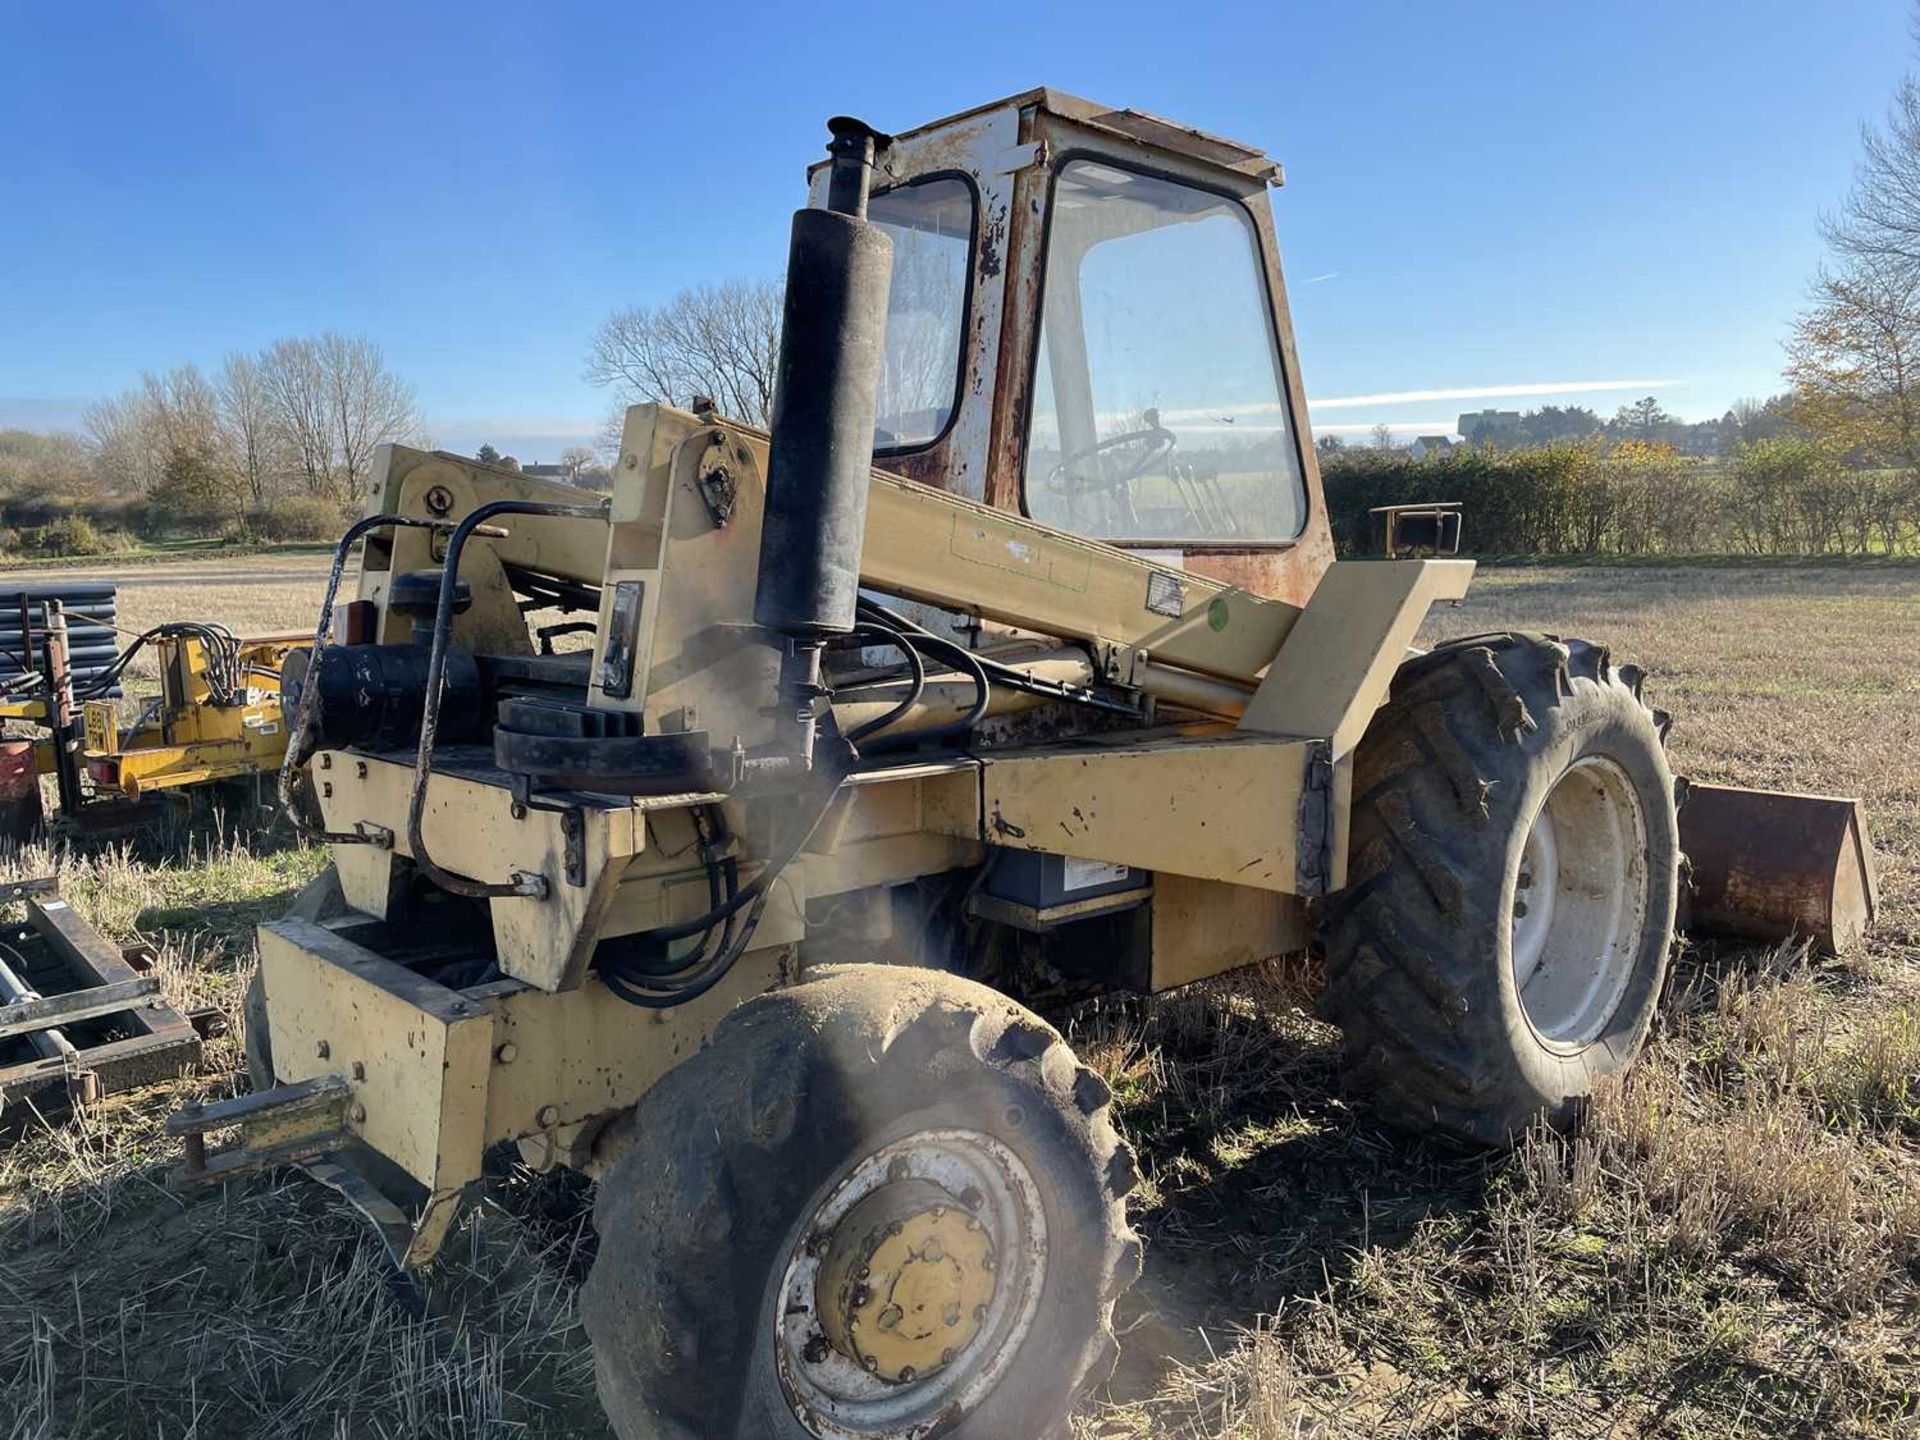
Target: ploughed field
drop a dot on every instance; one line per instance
(1731, 1247)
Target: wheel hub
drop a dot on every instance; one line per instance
(1580, 902)
(911, 1287)
(907, 1280)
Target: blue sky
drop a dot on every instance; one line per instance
(1480, 195)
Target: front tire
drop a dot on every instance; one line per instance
(883, 1203)
(1503, 939)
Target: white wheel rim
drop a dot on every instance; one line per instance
(830, 1394)
(1579, 903)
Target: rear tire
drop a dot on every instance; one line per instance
(709, 1305)
(1477, 995)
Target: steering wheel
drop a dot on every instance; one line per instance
(1162, 443)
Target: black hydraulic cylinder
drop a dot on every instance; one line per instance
(831, 345)
(374, 695)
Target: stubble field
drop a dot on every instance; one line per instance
(1729, 1248)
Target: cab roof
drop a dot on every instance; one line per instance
(1135, 125)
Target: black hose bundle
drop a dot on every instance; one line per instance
(643, 969)
(226, 678)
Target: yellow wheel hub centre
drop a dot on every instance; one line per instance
(907, 1281)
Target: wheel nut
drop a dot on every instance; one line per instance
(897, 1170)
(867, 1362)
(906, 1374)
(971, 1198)
(861, 1294)
(895, 1228)
(979, 1312)
(946, 1356)
(816, 1350)
(1525, 881)
(1519, 909)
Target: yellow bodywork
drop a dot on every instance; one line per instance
(184, 738)
(1240, 820)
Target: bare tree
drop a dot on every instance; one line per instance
(1854, 358)
(185, 411)
(1880, 222)
(296, 385)
(247, 419)
(333, 400)
(134, 434)
(1854, 361)
(367, 405)
(721, 341)
(122, 443)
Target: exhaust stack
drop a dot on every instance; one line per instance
(832, 338)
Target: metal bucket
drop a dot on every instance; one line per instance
(1768, 865)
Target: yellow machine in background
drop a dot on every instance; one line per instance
(205, 725)
(217, 718)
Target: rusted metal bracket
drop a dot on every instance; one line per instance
(281, 1126)
(1313, 863)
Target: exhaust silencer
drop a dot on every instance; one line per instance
(832, 339)
(833, 336)
(1772, 866)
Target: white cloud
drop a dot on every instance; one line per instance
(1491, 392)
(1419, 427)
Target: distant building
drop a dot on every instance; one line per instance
(1432, 445)
(549, 472)
(1490, 427)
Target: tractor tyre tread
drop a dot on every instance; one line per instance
(697, 1222)
(1428, 1037)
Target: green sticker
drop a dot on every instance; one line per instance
(1217, 613)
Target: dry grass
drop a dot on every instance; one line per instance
(1728, 1249)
